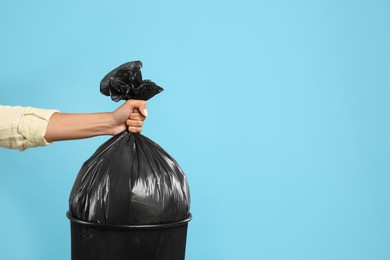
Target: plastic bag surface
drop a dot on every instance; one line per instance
(130, 179)
(125, 82)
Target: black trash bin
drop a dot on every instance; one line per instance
(130, 200)
(91, 241)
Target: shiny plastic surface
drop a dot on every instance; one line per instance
(130, 179)
(125, 82)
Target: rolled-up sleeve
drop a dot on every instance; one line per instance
(23, 127)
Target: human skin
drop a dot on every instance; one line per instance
(129, 116)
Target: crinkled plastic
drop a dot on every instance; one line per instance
(125, 82)
(130, 179)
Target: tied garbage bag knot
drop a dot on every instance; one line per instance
(125, 82)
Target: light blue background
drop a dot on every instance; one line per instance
(278, 111)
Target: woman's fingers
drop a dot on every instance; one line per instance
(140, 105)
(135, 123)
(133, 129)
(136, 116)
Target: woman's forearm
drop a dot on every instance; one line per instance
(76, 126)
(129, 116)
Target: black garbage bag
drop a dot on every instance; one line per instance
(130, 184)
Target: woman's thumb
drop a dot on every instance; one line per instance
(140, 105)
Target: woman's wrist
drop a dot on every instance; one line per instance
(114, 126)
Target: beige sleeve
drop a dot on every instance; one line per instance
(23, 127)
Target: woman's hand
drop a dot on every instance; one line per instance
(131, 116)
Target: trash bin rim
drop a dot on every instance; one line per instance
(149, 226)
